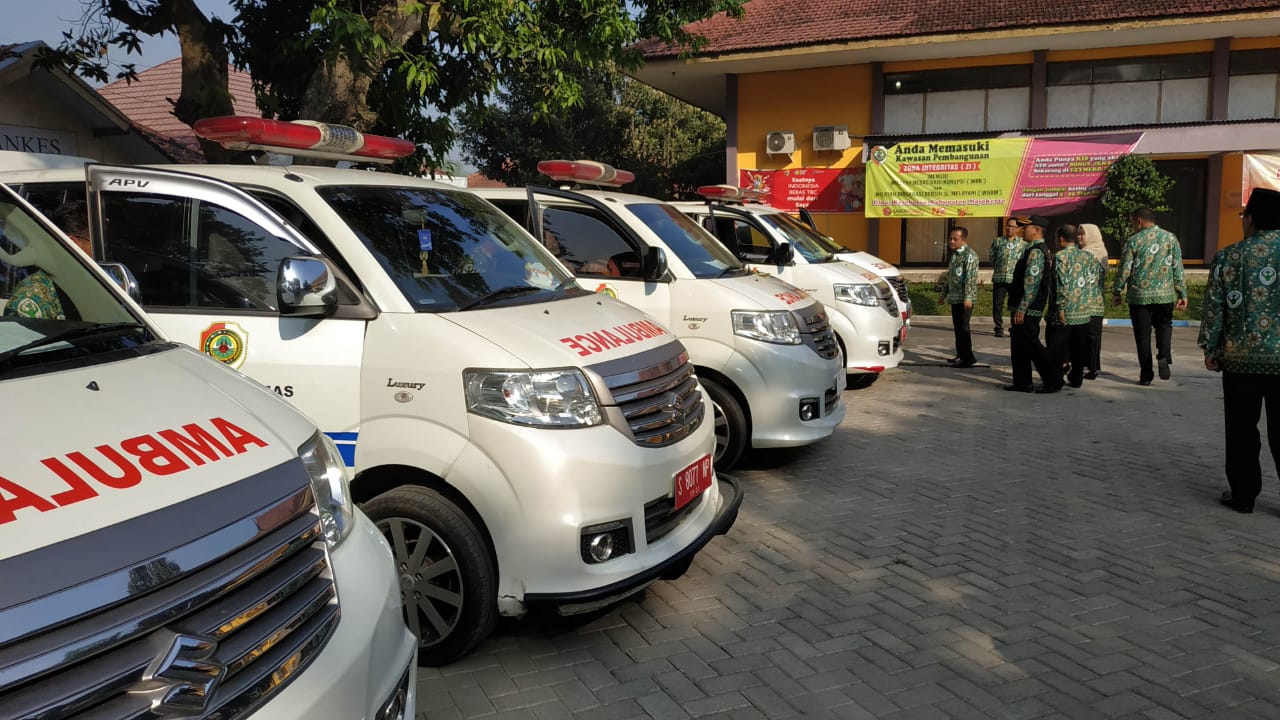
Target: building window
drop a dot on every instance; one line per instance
(1251, 89)
(959, 100)
(1128, 91)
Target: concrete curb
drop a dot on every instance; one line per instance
(1114, 322)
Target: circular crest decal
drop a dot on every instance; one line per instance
(225, 342)
(607, 289)
(1267, 275)
(1234, 298)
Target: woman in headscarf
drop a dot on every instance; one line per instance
(1089, 238)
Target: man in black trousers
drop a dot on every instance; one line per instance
(1031, 293)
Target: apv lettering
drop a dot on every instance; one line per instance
(124, 464)
(127, 183)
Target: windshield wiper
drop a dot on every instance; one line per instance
(734, 271)
(500, 293)
(100, 330)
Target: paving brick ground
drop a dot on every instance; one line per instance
(954, 551)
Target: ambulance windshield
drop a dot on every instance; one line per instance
(697, 249)
(448, 250)
(52, 308)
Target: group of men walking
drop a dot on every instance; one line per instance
(1239, 330)
(1063, 287)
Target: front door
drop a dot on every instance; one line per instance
(206, 257)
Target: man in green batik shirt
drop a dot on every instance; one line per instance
(1004, 255)
(1151, 269)
(1240, 334)
(1031, 292)
(961, 292)
(1076, 272)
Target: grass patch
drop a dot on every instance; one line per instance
(924, 301)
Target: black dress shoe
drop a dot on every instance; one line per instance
(964, 364)
(1047, 389)
(1164, 369)
(1239, 506)
(1091, 375)
(1019, 388)
(1075, 384)
(1146, 381)
(999, 332)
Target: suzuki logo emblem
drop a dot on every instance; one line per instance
(186, 675)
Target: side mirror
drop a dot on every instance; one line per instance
(785, 254)
(306, 286)
(123, 278)
(655, 264)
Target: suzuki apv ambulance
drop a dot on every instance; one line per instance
(780, 226)
(763, 348)
(520, 441)
(175, 541)
(862, 307)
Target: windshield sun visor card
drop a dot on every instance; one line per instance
(424, 240)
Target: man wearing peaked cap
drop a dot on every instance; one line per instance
(1031, 292)
(1240, 334)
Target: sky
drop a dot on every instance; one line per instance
(47, 19)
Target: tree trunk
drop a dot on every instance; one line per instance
(338, 91)
(205, 91)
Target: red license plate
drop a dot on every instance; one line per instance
(693, 481)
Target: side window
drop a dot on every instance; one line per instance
(588, 246)
(190, 254)
(305, 225)
(753, 245)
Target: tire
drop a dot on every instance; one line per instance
(455, 606)
(730, 425)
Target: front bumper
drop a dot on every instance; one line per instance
(872, 337)
(673, 567)
(536, 490)
(370, 663)
(774, 379)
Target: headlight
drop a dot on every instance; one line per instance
(538, 398)
(859, 294)
(331, 487)
(771, 326)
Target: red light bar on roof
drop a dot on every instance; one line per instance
(729, 193)
(585, 171)
(313, 139)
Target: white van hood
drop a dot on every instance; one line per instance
(766, 292)
(576, 331)
(870, 262)
(105, 443)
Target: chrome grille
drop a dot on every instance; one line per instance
(899, 284)
(211, 628)
(661, 402)
(816, 331)
(887, 301)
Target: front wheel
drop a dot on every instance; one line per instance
(730, 425)
(448, 585)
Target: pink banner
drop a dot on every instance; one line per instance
(1058, 175)
(831, 190)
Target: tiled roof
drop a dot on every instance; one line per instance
(771, 24)
(146, 102)
(480, 180)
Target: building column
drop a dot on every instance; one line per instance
(731, 130)
(1040, 90)
(877, 127)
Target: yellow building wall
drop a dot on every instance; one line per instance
(796, 101)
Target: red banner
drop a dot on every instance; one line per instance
(832, 190)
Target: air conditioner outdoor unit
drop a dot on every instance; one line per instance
(831, 137)
(780, 142)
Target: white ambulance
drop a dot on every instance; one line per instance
(519, 440)
(174, 540)
(863, 309)
(763, 348)
(779, 226)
